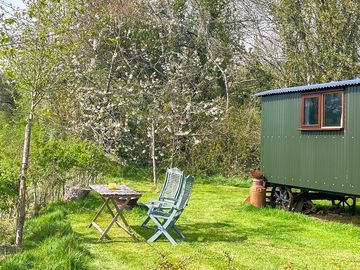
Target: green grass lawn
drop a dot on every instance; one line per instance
(222, 233)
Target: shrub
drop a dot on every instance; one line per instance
(230, 147)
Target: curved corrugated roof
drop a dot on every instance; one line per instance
(308, 87)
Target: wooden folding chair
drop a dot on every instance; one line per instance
(165, 218)
(169, 194)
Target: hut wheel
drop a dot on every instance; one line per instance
(282, 198)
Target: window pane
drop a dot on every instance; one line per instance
(332, 110)
(311, 106)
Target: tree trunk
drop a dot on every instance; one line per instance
(172, 152)
(36, 200)
(226, 87)
(153, 153)
(22, 181)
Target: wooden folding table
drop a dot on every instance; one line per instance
(123, 198)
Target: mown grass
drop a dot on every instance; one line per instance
(222, 233)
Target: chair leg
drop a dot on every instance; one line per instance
(159, 233)
(146, 221)
(179, 233)
(162, 229)
(144, 225)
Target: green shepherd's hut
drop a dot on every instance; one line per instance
(310, 143)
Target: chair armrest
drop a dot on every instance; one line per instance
(154, 201)
(160, 205)
(166, 204)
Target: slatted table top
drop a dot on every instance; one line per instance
(120, 191)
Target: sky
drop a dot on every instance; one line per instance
(16, 3)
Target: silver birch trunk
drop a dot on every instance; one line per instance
(22, 181)
(153, 153)
(36, 200)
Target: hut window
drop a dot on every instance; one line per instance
(311, 111)
(333, 110)
(322, 111)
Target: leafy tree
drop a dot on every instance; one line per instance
(35, 57)
(7, 104)
(320, 39)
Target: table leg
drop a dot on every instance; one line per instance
(126, 228)
(115, 217)
(111, 212)
(105, 204)
(93, 223)
(104, 233)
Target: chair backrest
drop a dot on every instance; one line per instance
(185, 192)
(173, 182)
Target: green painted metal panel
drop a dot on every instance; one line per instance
(320, 160)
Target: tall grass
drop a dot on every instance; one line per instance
(49, 243)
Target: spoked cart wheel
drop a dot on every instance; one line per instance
(282, 198)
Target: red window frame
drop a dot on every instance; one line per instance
(318, 125)
(320, 96)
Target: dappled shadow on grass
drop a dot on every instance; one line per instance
(213, 232)
(196, 232)
(280, 232)
(201, 232)
(220, 232)
(266, 223)
(117, 239)
(231, 230)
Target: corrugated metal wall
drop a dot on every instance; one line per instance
(323, 160)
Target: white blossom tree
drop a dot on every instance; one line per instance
(148, 78)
